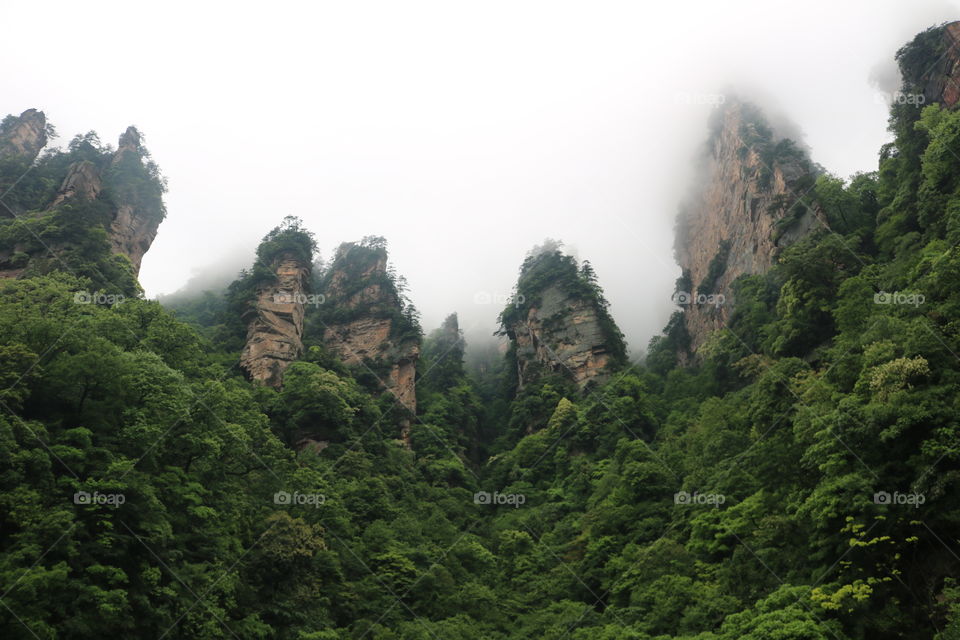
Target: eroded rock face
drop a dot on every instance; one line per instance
(133, 229)
(558, 321)
(275, 323)
(136, 211)
(941, 81)
(365, 330)
(82, 182)
(24, 137)
(745, 211)
(563, 335)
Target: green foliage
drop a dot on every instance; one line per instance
(821, 394)
(547, 266)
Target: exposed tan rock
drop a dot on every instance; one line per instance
(275, 323)
(563, 335)
(133, 230)
(82, 183)
(941, 82)
(736, 211)
(367, 337)
(136, 194)
(25, 136)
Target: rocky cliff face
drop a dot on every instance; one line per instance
(746, 208)
(365, 324)
(126, 180)
(275, 322)
(82, 183)
(23, 137)
(558, 323)
(133, 228)
(939, 80)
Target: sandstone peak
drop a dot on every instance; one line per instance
(275, 321)
(365, 320)
(130, 142)
(930, 64)
(24, 136)
(558, 321)
(747, 206)
(82, 182)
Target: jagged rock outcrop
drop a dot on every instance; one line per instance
(82, 182)
(275, 322)
(558, 322)
(366, 325)
(746, 208)
(936, 72)
(24, 137)
(134, 227)
(133, 182)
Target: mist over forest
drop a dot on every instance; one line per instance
(423, 320)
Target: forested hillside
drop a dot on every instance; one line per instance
(792, 476)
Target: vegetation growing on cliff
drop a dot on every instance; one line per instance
(547, 266)
(73, 236)
(799, 483)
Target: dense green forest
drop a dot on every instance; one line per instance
(799, 483)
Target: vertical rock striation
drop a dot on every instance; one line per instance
(134, 225)
(23, 137)
(558, 322)
(746, 208)
(933, 67)
(275, 322)
(124, 184)
(365, 324)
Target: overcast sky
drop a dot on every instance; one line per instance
(464, 132)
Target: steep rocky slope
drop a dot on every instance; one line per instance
(745, 209)
(119, 190)
(23, 137)
(558, 322)
(134, 226)
(275, 322)
(937, 82)
(363, 320)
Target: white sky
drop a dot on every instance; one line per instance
(463, 132)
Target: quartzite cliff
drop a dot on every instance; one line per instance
(558, 322)
(747, 206)
(275, 321)
(125, 182)
(365, 324)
